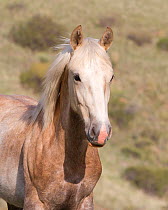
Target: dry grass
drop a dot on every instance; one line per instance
(141, 73)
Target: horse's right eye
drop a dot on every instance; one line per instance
(77, 78)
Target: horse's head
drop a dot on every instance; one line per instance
(90, 76)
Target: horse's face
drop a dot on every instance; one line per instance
(90, 76)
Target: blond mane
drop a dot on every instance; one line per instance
(51, 84)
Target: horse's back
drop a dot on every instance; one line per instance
(14, 115)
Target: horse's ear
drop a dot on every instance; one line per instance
(106, 39)
(76, 37)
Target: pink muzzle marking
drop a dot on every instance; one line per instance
(102, 135)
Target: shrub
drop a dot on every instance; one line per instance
(113, 20)
(120, 110)
(163, 43)
(107, 21)
(130, 151)
(38, 33)
(151, 133)
(139, 38)
(15, 6)
(151, 180)
(43, 58)
(143, 143)
(33, 77)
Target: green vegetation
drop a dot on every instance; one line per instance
(143, 143)
(131, 152)
(152, 134)
(163, 43)
(151, 180)
(38, 33)
(120, 110)
(34, 76)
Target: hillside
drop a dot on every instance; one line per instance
(138, 106)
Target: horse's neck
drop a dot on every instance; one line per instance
(71, 124)
(69, 132)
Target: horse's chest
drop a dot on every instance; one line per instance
(65, 184)
(79, 190)
(75, 190)
(70, 195)
(70, 191)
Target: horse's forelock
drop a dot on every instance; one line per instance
(90, 52)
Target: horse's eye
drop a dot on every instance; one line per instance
(77, 78)
(112, 78)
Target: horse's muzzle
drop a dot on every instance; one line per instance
(98, 134)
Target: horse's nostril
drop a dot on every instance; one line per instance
(93, 132)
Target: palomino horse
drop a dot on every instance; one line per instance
(48, 150)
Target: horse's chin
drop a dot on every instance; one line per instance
(95, 145)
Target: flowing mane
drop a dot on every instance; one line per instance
(51, 84)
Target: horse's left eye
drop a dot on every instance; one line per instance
(112, 78)
(77, 78)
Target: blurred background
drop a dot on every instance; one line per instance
(135, 160)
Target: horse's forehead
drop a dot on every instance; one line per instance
(88, 73)
(90, 65)
(90, 60)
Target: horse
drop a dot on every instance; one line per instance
(49, 149)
